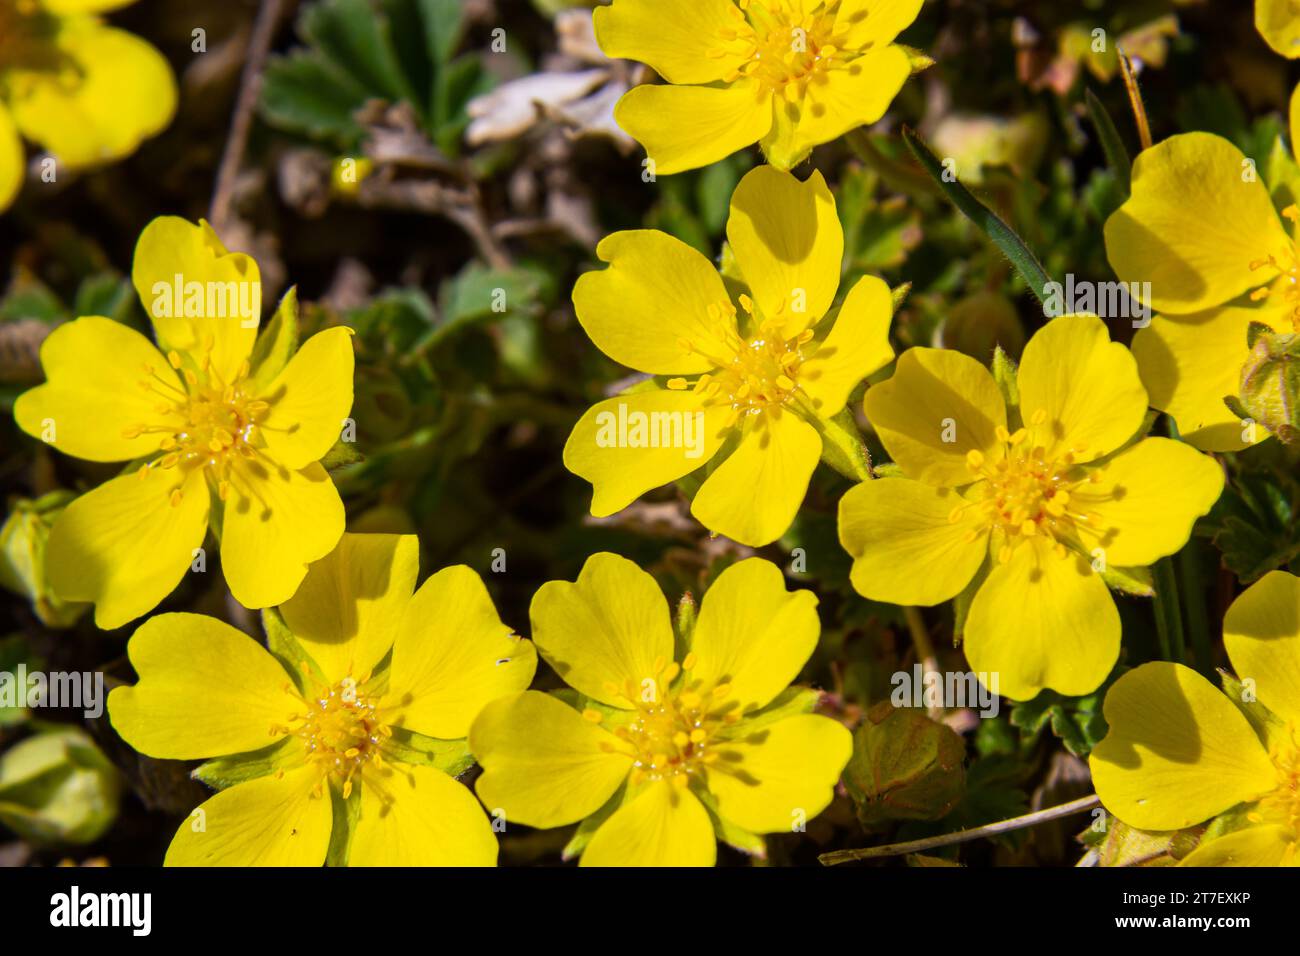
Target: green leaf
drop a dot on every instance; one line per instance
(905, 766)
(1111, 143)
(276, 343)
(303, 93)
(356, 39)
(988, 222)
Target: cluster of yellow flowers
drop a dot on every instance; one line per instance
(341, 738)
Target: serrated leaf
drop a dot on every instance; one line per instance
(302, 93)
(355, 38)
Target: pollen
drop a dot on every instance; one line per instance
(672, 735)
(341, 732)
(1282, 806)
(1287, 285)
(784, 47)
(1027, 493)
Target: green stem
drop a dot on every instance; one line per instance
(1169, 622)
(1198, 625)
(1002, 235)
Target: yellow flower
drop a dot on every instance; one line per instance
(1278, 22)
(766, 382)
(87, 92)
(1023, 505)
(369, 729)
(1180, 753)
(229, 435)
(788, 74)
(1201, 228)
(664, 753)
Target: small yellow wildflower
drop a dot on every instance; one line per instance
(85, 91)
(1027, 504)
(763, 376)
(1180, 753)
(225, 442)
(787, 74)
(1201, 228)
(661, 754)
(350, 735)
(1278, 22)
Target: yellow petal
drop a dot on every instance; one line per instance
(855, 95)
(611, 446)
(685, 127)
(905, 546)
(752, 633)
(310, 399)
(1261, 632)
(1293, 120)
(110, 92)
(753, 496)
(1194, 224)
(1253, 846)
(453, 655)
(788, 244)
(124, 546)
(664, 825)
(1148, 497)
(348, 610)
(1178, 752)
(543, 764)
(1189, 363)
(95, 369)
(1085, 387)
(276, 522)
(937, 408)
(1278, 24)
(205, 690)
(604, 631)
(1041, 620)
(874, 21)
(780, 775)
(66, 7)
(219, 299)
(682, 40)
(857, 346)
(264, 822)
(12, 165)
(418, 816)
(650, 309)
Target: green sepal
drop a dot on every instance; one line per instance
(888, 469)
(918, 59)
(684, 624)
(1004, 370)
(589, 825)
(222, 772)
(346, 814)
(790, 702)
(276, 343)
(452, 757)
(285, 648)
(752, 844)
(1268, 725)
(842, 445)
(1134, 581)
(962, 602)
(341, 453)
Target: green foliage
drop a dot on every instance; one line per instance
(905, 766)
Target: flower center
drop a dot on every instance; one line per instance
(758, 373)
(341, 732)
(1027, 494)
(1288, 284)
(784, 48)
(670, 734)
(1282, 806)
(209, 425)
